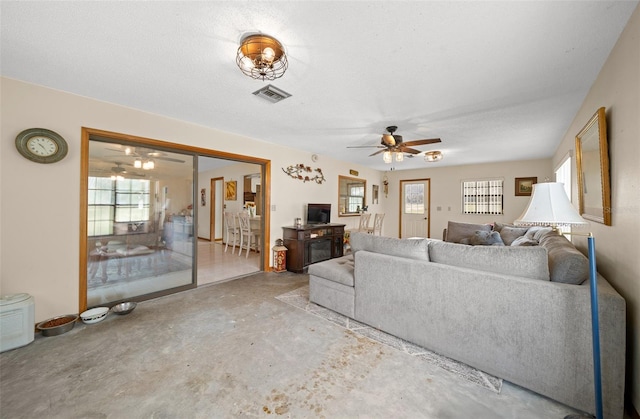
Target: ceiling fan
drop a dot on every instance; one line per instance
(118, 170)
(146, 154)
(393, 143)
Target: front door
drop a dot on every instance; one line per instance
(414, 211)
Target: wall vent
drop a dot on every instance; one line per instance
(272, 94)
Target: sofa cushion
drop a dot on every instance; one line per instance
(566, 263)
(411, 249)
(509, 234)
(338, 270)
(484, 238)
(528, 262)
(457, 231)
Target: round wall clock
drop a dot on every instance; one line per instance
(41, 145)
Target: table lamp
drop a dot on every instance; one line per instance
(550, 206)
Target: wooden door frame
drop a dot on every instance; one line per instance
(87, 133)
(212, 203)
(401, 202)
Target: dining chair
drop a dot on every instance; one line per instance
(248, 234)
(364, 222)
(232, 230)
(377, 225)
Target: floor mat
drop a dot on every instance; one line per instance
(300, 298)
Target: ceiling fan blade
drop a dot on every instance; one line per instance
(410, 150)
(388, 139)
(168, 159)
(377, 152)
(365, 146)
(423, 142)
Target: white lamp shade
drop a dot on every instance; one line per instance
(550, 206)
(386, 157)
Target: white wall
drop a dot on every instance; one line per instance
(618, 89)
(40, 204)
(446, 192)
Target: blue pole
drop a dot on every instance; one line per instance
(595, 324)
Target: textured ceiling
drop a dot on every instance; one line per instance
(494, 80)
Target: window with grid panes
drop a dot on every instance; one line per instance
(116, 201)
(482, 196)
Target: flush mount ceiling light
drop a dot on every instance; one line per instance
(432, 156)
(261, 57)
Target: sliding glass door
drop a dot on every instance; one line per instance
(140, 237)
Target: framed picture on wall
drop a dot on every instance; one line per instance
(374, 194)
(524, 185)
(231, 190)
(203, 197)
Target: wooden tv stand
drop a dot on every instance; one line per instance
(312, 243)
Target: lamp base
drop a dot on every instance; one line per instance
(579, 416)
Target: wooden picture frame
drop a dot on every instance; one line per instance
(524, 185)
(592, 160)
(231, 190)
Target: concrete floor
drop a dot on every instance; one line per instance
(231, 350)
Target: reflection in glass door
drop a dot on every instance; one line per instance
(140, 235)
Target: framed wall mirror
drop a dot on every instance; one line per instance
(592, 159)
(351, 196)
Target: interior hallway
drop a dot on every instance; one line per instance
(233, 350)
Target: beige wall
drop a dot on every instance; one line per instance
(446, 199)
(618, 89)
(39, 208)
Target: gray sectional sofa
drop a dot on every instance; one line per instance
(495, 308)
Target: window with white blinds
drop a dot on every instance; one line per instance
(482, 196)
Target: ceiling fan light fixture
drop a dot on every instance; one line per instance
(137, 163)
(148, 165)
(399, 156)
(261, 57)
(432, 156)
(386, 157)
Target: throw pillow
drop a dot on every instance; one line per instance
(524, 241)
(458, 231)
(509, 234)
(498, 226)
(484, 238)
(537, 233)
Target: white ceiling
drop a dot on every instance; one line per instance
(494, 80)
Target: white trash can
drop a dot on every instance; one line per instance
(17, 321)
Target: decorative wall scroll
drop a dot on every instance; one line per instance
(305, 173)
(230, 190)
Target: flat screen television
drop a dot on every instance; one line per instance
(318, 213)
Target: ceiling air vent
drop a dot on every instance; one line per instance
(271, 93)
